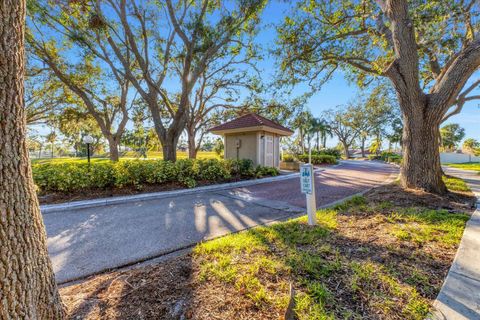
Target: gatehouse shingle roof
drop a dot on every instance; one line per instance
(249, 120)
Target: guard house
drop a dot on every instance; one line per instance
(252, 137)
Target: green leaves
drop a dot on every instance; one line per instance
(318, 37)
(74, 176)
(451, 135)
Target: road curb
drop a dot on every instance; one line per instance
(45, 209)
(459, 297)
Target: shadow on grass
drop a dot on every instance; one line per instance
(341, 271)
(362, 260)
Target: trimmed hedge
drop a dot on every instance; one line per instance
(69, 177)
(288, 158)
(318, 159)
(329, 152)
(387, 157)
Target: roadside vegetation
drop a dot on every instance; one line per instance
(390, 157)
(379, 256)
(475, 166)
(319, 156)
(69, 180)
(129, 155)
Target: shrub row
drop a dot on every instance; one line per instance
(318, 159)
(387, 157)
(288, 158)
(329, 152)
(323, 156)
(68, 177)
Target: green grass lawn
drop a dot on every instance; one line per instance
(455, 184)
(336, 272)
(130, 155)
(467, 166)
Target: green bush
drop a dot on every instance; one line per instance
(164, 171)
(70, 176)
(262, 171)
(133, 173)
(241, 167)
(387, 157)
(211, 170)
(288, 158)
(102, 175)
(63, 177)
(329, 152)
(318, 159)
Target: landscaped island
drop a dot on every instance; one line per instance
(64, 181)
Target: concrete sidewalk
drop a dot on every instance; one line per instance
(459, 297)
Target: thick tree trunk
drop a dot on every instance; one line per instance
(192, 145)
(169, 147)
(192, 149)
(113, 148)
(421, 168)
(363, 148)
(27, 283)
(168, 137)
(345, 150)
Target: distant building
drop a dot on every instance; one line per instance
(253, 137)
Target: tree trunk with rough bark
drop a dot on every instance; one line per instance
(345, 149)
(421, 167)
(113, 149)
(362, 147)
(169, 148)
(192, 146)
(27, 283)
(423, 112)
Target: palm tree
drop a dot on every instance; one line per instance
(322, 130)
(302, 122)
(325, 131)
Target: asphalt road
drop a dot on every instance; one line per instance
(85, 241)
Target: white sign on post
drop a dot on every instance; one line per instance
(306, 178)
(307, 185)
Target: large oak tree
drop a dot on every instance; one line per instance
(54, 42)
(27, 284)
(171, 43)
(428, 50)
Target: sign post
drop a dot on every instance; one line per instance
(307, 185)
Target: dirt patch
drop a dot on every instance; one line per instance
(383, 256)
(457, 201)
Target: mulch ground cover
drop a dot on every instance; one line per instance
(381, 256)
(61, 197)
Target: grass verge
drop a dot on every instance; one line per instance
(130, 155)
(475, 166)
(381, 256)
